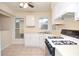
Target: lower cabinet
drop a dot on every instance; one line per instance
(42, 40)
(34, 40)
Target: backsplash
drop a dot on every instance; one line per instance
(56, 30)
(72, 33)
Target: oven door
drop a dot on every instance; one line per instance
(50, 48)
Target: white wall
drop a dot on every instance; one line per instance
(77, 11)
(61, 8)
(0, 39)
(6, 39)
(6, 9)
(5, 29)
(0, 42)
(71, 24)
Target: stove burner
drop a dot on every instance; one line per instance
(55, 37)
(62, 42)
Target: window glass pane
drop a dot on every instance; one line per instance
(19, 28)
(17, 31)
(17, 23)
(18, 34)
(43, 23)
(21, 24)
(44, 26)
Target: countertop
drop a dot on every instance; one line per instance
(66, 50)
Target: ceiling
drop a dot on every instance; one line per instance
(39, 7)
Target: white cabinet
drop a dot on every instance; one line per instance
(34, 40)
(30, 20)
(31, 39)
(27, 39)
(41, 40)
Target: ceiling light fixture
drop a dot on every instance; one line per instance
(23, 5)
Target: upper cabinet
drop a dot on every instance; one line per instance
(30, 20)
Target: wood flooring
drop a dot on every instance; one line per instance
(21, 50)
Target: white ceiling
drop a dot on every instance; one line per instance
(39, 7)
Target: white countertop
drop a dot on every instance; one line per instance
(66, 50)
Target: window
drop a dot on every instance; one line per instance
(43, 23)
(19, 28)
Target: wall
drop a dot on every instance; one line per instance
(0, 43)
(36, 29)
(61, 8)
(71, 24)
(57, 11)
(77, 11)
(57, 30)
(5, 30)
(6, 39)
(5, 23)
(5, 9)
(0, 39)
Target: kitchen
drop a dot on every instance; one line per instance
(43, 29)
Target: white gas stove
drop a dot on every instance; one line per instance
(54, 43)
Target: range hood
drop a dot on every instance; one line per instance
(66, 16)
(58, 21)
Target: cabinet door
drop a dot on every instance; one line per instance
(32, 39)
(35, 39)
(41, 41)
(30, 20)
(27, 39)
